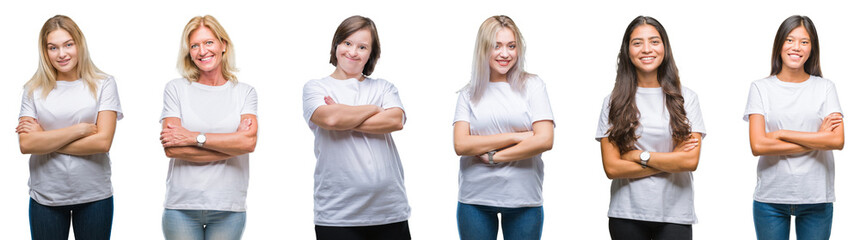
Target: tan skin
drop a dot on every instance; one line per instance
(514, 146)
(352, 54)
(831, 133)
(646, 53)
(206, 50)
(79, 139)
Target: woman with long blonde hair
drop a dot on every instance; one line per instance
(68, 117)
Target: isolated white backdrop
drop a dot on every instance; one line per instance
(720, 47)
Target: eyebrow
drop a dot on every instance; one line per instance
(70, 40)
(508, 42)
(651, 37)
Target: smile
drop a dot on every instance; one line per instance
(504, 63)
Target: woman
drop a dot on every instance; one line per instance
(209, 127)
(358, 182)
(502, 124)
(795, 123)
(68, 117)
(650, 133)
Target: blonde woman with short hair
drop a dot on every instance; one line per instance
(68, 117)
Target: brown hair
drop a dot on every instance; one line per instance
(812, 66)
(349, 26)
(623, 113)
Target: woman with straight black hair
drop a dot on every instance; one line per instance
(795, 122)
(650, 133)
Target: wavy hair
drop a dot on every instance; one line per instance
(185, 63)
(484, 43)
(812, 66)
(623, 113)
(45, 77)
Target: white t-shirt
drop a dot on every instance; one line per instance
(663, 197)
(58, 179)
(358, 179)
(503, 110)
(802, 178)
(219, 185)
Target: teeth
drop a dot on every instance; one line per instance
(648, 58)
(205, 59)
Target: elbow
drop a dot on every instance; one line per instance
(756, 150)
(459, 149)
(611, 174)
(250, 146)
(397, 125)
(170, 152)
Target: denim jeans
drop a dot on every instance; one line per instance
(478, 222)
(92, 220)
(773, 221)
(202, 224)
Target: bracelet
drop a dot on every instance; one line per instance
(490, 157)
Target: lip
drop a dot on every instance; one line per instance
(206, 59)
(795, 56)
(64, 62)
(647, 59)
(503, 63)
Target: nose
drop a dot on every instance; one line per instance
(505, 53)
(647, 48)
(63, 53)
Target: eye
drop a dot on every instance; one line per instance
(210, 42)
(789, 40)
(347, 43)
(363, 47)
(52, 48)
(655, 42)
(69, 44)
(804, 42)
(496, 46)
(194, 46)
(636, 43)
(512, 46)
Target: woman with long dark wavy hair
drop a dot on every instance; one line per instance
(650, 133)
(795, 123)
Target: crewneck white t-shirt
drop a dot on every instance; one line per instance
(663, 197)
(803, 178)
(503, 110)
(358, 179)
(58, 179)
(219, 185)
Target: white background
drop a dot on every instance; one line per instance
(720, 47)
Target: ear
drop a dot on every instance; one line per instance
(224, 46)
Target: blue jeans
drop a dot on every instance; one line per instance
(773, 221)
(202, 224)
(478, 222)
(92, 220)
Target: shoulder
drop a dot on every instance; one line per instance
(688, 93)
(178, 82)
(822, 81)
(763, 82)
(379, 82)
(244, 87)
(533, 80)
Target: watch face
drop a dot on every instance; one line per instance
(201, 138)
(645, 156)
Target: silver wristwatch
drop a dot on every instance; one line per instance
(201, 139)
(644, 157)
(490, 157)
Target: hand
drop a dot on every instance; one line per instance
(329, 100)
(87, 128)
(28, 125)
(632, 155)
(484, 158)
(774, 134)
(177, 136)
(688, 145)
(830, 122)
(245, 125)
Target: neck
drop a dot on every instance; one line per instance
(67, 76)
(792, 75)
(212, 78)
(498, 77)
(647, 80)
(339, 74)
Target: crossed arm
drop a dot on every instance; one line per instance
(830, 136)
(181, 143)
(363, 118)
(79, 139)
(514, 146)
(685, 157)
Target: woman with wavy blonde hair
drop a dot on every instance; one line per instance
(502, 124)
(68, 117)
(209, 127)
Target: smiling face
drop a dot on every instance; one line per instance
(63, 54)
(352, 54)
(205, 49)
(646, 49)
(503, 57)
(796, 49)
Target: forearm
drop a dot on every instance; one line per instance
(472, 145)
(384, 122)
(93, 144)
(830, 140)
(769, 146)
(44, 142)
(530, 147)
(195, 154)
(231, 144)
(342, 117)
(674, 162)
(619, 169)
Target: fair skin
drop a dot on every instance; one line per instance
(514, 146)
(831, 133)
(646, 53)
(206, 50)
(352, 54)
(79, 139)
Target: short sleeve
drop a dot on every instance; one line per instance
(250, 106)
(539, 107)
(755, 104)
(171, 101)
(313, 96)
(694, 112)
(603, 121)
(463, 110)
(109, 98)
(28, 105)
(831, 103)
(392, 99)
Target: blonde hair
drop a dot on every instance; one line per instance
(45, 78)
(484, 44)
(185, 64)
